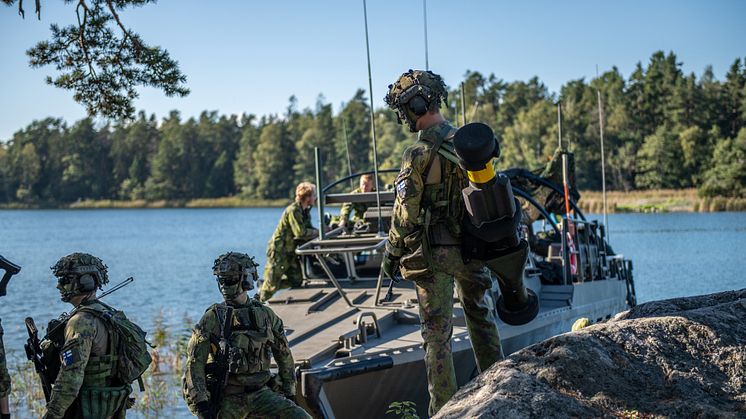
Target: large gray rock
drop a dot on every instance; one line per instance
(684, 357)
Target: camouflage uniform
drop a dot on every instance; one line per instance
(293, 229)
(87, 367)
(257, 333)
(4, 376)
(427, 223)
(356, 209)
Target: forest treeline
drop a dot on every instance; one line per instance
(663, 129)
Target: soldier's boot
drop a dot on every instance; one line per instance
(517, 304)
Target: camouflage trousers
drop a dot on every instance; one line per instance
(435, 296)
(4, 376)
(279, 265)
(263, 403)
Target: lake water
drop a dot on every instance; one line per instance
(170, 254)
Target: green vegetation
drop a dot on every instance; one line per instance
(403, 410)
(102, 61)
(664, 130)
(162, 381)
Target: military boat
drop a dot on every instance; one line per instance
(355, 335)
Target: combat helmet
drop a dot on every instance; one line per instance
(414, 94)
(79, 273)
(237, 264)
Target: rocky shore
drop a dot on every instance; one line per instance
(683, 357)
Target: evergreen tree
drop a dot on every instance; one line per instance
(660, 161)
(274, 162)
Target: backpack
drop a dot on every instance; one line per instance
(133, 356)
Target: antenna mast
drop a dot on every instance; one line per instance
(463, 105)
(424, 14)
(347, 147)
(603, 155)
(373, 122)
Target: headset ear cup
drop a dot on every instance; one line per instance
(418, 105)
(246, 283)
(87, 283)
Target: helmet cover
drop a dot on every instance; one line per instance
(415, 83)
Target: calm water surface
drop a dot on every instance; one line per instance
(170, 253)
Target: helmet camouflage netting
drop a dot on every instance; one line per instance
(425, 84)
(235, 263)
(80, 264)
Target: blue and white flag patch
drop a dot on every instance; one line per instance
(68, 357)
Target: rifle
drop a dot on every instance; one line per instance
(216, 384)
(46, 365)
(10, 269)
(35, 355)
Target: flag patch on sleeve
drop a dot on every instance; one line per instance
(68, 357)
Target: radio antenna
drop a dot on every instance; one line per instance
(347, 147)
(463, 105)
(373, 123)
(603, 155)
(424, 14)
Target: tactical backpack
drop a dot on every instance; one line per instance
(133, 356)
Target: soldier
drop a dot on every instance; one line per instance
(256, 333)
(293, 229)
(425, 236)
(4, 381)
(90, 382)
(357, 210)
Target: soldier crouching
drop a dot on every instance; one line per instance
(228, 367)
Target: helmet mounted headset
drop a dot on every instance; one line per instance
(78, 274)
(233, 267)
(414, 94)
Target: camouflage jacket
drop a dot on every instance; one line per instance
(294, 228)
(428, 200)
(86, 340)
(4, 376)
(257, 333)
(357, 210)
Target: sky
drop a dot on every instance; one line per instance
(250, 56)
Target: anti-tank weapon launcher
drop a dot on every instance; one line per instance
(491, 223)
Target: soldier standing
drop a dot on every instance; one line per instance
(357, 210)
(254, 334)
(425, 236)
(293, 229)
(90, 381)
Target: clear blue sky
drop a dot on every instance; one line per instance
(251, 56)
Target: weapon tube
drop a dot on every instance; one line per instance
(491, 223)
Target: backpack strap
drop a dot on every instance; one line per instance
(442, 135)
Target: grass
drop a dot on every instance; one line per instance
(654, 200)
(658, 200)
(162, 381)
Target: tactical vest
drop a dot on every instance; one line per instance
(442, 202)
(250, 352)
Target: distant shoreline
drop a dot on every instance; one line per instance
(658, 200)
(641, 201)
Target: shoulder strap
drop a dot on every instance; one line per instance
(442, 135)
(227, 323)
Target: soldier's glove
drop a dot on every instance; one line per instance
(204, 411)
(391, 266)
